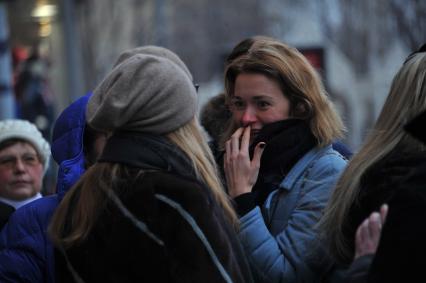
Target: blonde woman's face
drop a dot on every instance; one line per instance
(258, 101)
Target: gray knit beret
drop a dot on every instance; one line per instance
(147, 93)
(22, 129)
(156, 51)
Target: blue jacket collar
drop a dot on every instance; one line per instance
(300, 167)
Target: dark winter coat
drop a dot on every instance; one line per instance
(400, 256)
(401, 252)
(379, 184)
(5, 212)
(393, 180)
(189, 239)
(178, 212)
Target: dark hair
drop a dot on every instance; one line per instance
(215, 116)
(240, 49)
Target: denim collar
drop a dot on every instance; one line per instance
(302, 165)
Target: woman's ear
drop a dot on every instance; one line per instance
(298, 109)
(302, 109)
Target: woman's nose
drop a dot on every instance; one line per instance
(249, 117)
(19, 165)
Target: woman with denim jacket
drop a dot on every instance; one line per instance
(279, 163)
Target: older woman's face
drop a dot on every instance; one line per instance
(258, 101)
(21, 172)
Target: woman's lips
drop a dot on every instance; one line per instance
(21, 182)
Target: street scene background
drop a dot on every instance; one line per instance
(356, 45)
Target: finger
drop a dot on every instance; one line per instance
(361, 239)
(384, 212)
(235, 141)
(245, 141)
(228, 151)
(365, 234)
(237, 134)
(358, 236)
(225, 170)
(258, 151)
(375, 226)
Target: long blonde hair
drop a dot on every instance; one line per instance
(193, 142)
(406, 99)
(76, 215)
(298, 80)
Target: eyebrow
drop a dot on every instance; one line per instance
(257, 97)
(24, 152)
(18, 155)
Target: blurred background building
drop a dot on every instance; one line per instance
(357, 45)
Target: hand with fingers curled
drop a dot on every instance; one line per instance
(369, 231)
(241, 173)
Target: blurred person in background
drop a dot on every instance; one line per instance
(214, 118)
(26, 252)
(24, 158)
(34, 97)
(389, 168)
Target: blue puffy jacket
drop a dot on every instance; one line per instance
(280, 237)
(26, 254)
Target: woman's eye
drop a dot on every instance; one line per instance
(237, 104)
(30, 159)
(263, 104)
(7, 161)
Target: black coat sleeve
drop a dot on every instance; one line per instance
(402, 248)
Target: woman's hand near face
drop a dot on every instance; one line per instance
(241, 172)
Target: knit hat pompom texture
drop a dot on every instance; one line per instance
(148, 93)
(22, 129)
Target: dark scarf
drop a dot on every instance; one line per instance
(5, 212)
(150, 152)
(286, 142)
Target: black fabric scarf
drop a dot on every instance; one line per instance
(286, 142)
(150, 152)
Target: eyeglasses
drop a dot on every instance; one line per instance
(10, 161)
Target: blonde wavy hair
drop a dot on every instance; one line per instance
(76, 215)
(298, 80)
(406, 99)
